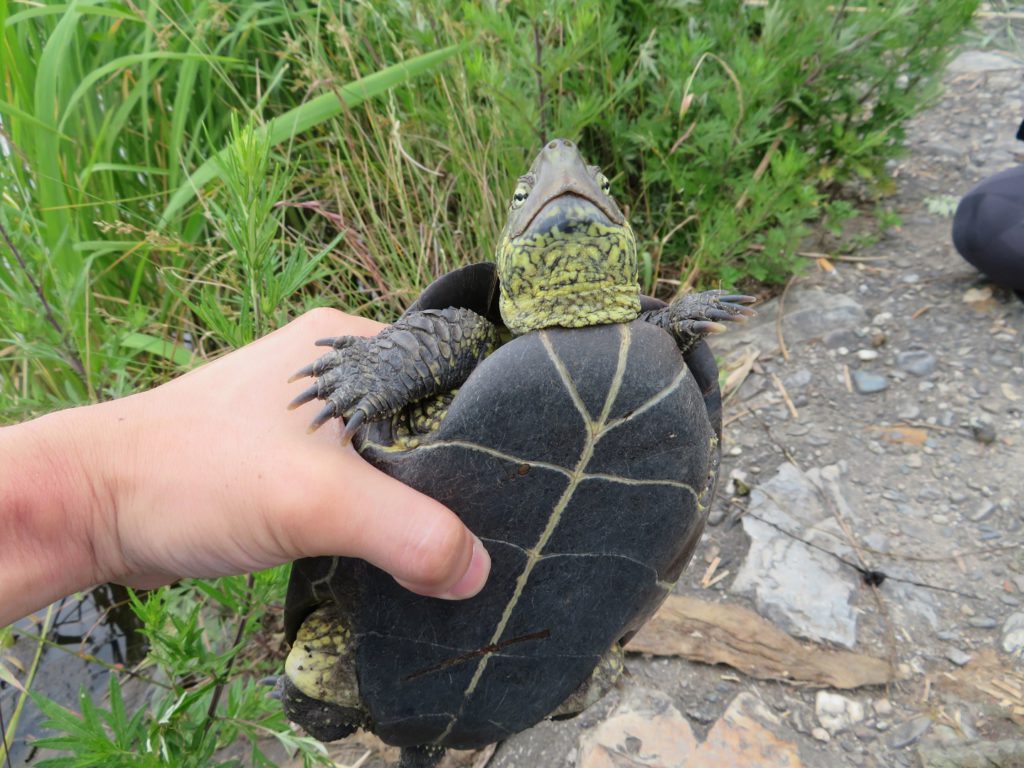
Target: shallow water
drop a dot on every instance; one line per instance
(86, 632)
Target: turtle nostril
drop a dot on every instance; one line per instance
(568, 144)
(553, 145)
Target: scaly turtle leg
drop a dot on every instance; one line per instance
(421, 757)
(319, 688)
(693, 316)
(423, 354)
(604, 677)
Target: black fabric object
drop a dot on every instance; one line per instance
(988, 228)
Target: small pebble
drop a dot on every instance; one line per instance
(982, 622)
(907, 733)
(983, 513)
(957, 656)
(868, 383)
(821, 735)
(867, 354)
(916, 361)
(983, 432)
(909, 412)
(1013, 634)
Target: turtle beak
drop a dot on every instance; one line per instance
(561, 171)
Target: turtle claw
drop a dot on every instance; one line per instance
(304, 372)
(276, 684)
(724, 314)
(327, 413)
(338, 342)
(308, 394)
(706, 326)
(737, 298)
(352, 424)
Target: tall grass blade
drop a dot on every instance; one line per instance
(311, 114)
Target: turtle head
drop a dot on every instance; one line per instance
(567, 255)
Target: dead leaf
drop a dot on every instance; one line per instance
(903, 435)
(785, 396)
(8, 677)
(974, 295)
(738, 368)
(723, 633)
(989, 676)
(712, 567)
(980, 299)
(483, 757)
(825, 265)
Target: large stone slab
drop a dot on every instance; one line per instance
(808, 313)
(646, 730)
(800, 588)
(982, 61)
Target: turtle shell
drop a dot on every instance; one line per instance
(585, 461)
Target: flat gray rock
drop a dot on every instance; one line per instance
(909, 732)
(836, 712)
(809, 313)
(868, 383)
(916, 361)
(982, 61)
(990, 754)
(802, 589)
(1013, 634)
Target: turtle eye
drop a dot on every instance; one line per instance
(519, 196)
(602, 181)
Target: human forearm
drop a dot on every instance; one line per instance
(208, 475)
(51, 491)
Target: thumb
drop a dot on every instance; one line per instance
(367, 514)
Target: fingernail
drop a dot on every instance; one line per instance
(474, 578)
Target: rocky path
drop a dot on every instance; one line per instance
(872, 501)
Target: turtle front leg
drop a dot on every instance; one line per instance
(369, 378)
(693, 316)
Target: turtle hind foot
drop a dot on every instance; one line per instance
(426, 756)
(321, 719)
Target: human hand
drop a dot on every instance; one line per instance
(210, 474)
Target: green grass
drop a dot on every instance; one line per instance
(178, 177)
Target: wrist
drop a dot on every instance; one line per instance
(56, 509)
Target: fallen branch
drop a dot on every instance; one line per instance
(723, 633)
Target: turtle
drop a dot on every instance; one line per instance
(572, 423)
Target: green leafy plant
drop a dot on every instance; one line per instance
(200, 701)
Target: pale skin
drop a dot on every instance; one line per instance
(210, 475)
